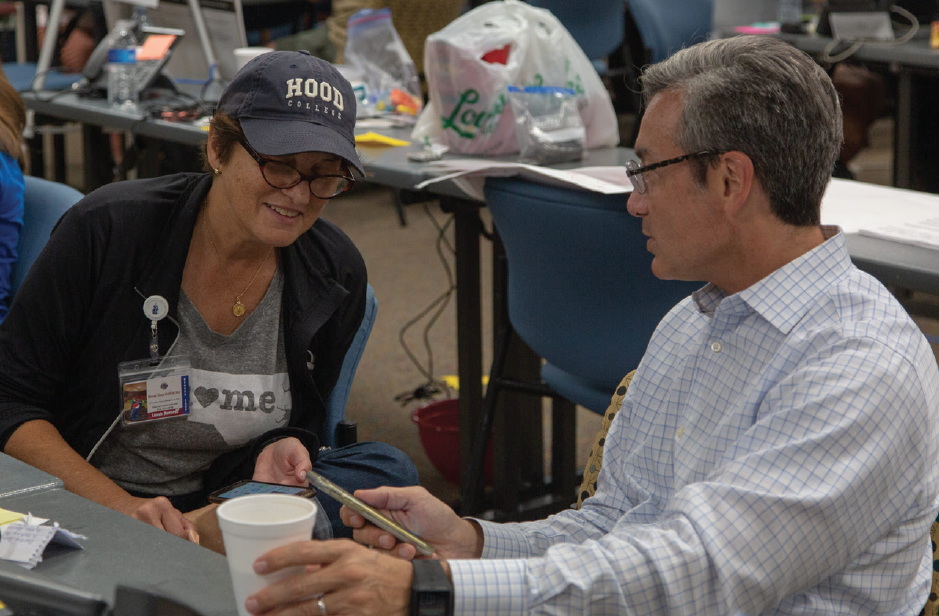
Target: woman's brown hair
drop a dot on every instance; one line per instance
(226, 134)
(12, 119)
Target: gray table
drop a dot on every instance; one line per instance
(120, 550)
(18, 478)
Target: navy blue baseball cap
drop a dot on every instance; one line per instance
(290, 102)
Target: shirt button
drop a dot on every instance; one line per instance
(679, 432)
(717, 347)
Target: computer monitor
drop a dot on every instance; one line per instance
(225, 29)
(29, 593)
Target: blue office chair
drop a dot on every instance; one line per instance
(666, 26)
(581, 294)
(44, 202)
(22, 74)
(336, 429)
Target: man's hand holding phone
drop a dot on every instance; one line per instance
(416, 509)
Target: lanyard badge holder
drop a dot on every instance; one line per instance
(158, 387)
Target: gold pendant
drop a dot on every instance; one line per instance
(238, 309)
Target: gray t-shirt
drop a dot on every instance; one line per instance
(239, 390)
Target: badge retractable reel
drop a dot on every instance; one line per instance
(156, 387)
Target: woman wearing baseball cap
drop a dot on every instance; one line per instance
(231, 284)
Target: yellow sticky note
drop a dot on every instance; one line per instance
(9, 516)
(373, 138)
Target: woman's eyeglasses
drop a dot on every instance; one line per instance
(634, 171)
(281, 175)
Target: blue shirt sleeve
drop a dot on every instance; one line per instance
(11, 223)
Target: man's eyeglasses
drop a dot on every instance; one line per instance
(634, 171)
(281, 175)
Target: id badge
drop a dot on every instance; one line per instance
(149, 393)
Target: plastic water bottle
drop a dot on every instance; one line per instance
(790, 11)
(122, 67)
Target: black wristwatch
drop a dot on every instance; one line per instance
(431, 590)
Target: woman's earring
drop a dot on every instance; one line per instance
(217, 171)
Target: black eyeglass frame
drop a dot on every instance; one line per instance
(302, 177)
(633, 169)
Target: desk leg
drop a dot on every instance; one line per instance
(903, 131)
(30, 31)
(96, 153)
(467, 228)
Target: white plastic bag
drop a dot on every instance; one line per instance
(470, 63)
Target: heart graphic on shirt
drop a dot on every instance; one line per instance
(206, 396)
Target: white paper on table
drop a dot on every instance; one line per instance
(858, 206)
(24, 542)
(470, 175)
(923, 233)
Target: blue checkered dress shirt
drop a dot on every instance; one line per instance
(777, 453)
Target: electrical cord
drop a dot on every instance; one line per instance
(855, 45)
(433, 385)
(56, 93)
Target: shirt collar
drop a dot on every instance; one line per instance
(783, 297)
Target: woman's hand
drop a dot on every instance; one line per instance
(158, 512)
(284, 461)
(418, 511)
(347, 578)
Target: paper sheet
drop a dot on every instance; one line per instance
(923, 233)
(470, 175)
(24, 544)
(24, 541)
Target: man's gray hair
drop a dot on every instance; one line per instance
(763, 97)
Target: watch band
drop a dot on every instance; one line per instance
(431, 590)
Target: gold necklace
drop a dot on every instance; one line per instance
(238, 309)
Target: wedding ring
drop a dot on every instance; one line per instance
(322, 605)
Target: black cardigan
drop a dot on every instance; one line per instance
(80, 312)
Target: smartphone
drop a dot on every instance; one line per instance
(248, 486)
(399, 532)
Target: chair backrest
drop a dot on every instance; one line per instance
(22, 74)
(581, 292)
(598, 26)
(44, 202)
(668, 25)
(588, 485)
(336, 403)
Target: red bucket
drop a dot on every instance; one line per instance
(438, 425)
